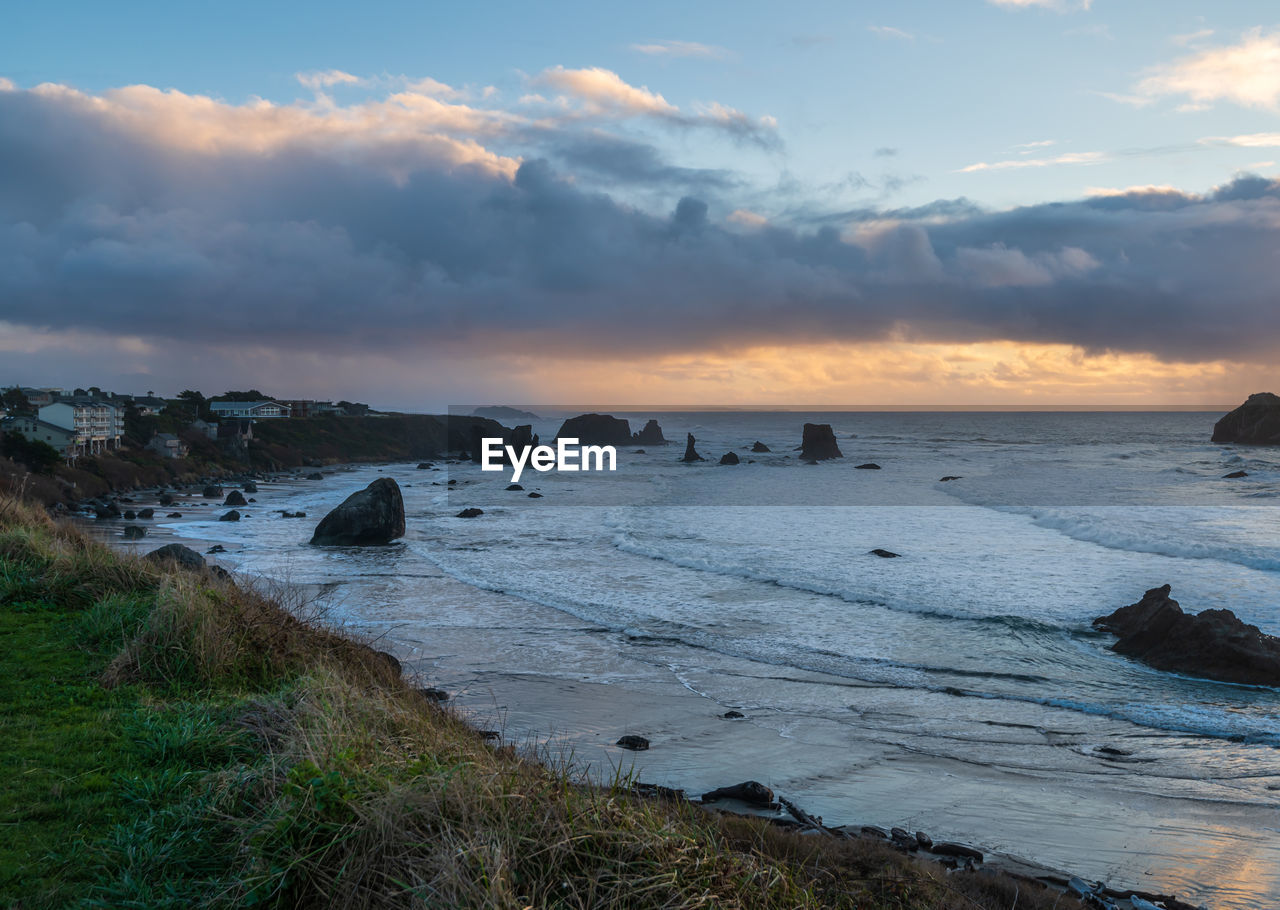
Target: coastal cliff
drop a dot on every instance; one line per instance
(197, 743)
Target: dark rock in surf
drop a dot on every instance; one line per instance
(212, 492)
(130, 515)
(596, 430)
(1256, 422)
(957, 850)
(513, 487)
(133, 532)
(1235, 475)
(371, 517)
(233, 515)
(250, 487)
(1213, 644)
(174, 515)
(884, 554)
(424, 466)
(690, 453)
(751, 792)
(146, 513)
(633, 742)
(177, 554)
(235, 498)
(729, 458)
(216, 548)
(651, 435)
(535, 495)
(732, 715)
(869, 466)
(166, 499)
(470, 513)
(759, 446)
(819, 442)
(949, 477)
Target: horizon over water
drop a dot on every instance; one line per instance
(959, 688)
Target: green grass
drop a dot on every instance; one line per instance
(170, 741)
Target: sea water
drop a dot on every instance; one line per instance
(969, 661)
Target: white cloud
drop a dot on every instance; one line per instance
(681, 49)
(1019, 163)
(1192, 37)
(321, 79)
(599, 92)
(603, 91)
(1147, 189)
(1027, 147)
(888, 31)
(1247, 74)
(1245, 141)
(1058, 6)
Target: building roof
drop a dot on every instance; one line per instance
(238, 405)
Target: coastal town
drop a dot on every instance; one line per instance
(80, 422)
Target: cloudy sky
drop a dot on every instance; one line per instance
(914, 202)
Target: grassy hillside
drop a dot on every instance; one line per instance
(169, 739)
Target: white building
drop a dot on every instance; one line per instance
(97, 425)
(253, 409)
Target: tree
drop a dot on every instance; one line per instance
(15, 402)
(194, 405)
(39, 456)
(251, 395)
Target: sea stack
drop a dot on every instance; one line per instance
(1256, 422)
(690, 453)
(371, 517)
(819, 443)
(596, 430)
(651, 435)
(1214, 644)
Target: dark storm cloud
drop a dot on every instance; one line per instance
(395, 243)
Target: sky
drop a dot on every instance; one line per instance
(950, 202)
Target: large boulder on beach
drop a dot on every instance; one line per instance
(690, 453)
(596, 430)
(176, 554)
(819, 443)
(751, 792)
(235, 498)
(371, 517)
(212, 492)
(1214, 644)
(1256, 422)
(651, 435)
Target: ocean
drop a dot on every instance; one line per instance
(958, 688)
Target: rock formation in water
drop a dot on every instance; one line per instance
(1214, 644)
(819, 443)
(1256, 422)
(371, 517)
(759, 446)
(596, 430)
(690, 453)
(235, 498)
(651, 435)
(729, 458)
